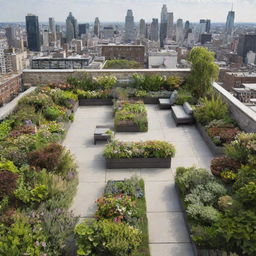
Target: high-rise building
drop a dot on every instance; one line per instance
(246, 43)
(71, 27)
(83, 29)
(186, 29)
(45, 40)
(170, 25)
(230, 23)
(129, 27)
(142, 30)
(33, 33)
(108, 32)
(96, 27)
(163, 25)
(154, 30)
(208, 26)
(11, 36)
(179, 32)
(52, 28)
(3, 47)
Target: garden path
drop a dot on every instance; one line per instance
(167, 232)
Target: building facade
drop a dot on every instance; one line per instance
(71, 28)
(163, 25)
(124, 52)
(246, 43)
(33, 33)
(129, 27)
(154, 30)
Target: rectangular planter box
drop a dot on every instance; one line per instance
(138, 163)
(216, 150)
(197, 251)
(127, 128)
(150, 100)
(95, 102)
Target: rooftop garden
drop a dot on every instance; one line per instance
(122, 64)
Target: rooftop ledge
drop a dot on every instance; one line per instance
(105, 70)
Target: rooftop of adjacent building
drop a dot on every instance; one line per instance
(4, 78)
(242, 74)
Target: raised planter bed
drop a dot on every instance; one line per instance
(197, 251)
(127, 128)
(138, 163)
(216, 150)
(95, 102)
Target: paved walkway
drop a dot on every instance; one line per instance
(167, 233)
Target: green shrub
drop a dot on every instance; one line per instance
(147, 149)
(201, 214)
(5, 128)
(247, 194)
(173, 82)
(99, 94)
(225, 202)
(185, 96)
(23, 237)
(210, 109)
(83, 83)
(105, 82)
(122, 64)
(245, 175)
(38, 100)
(107, 238)
(189, 178)
(148, 82)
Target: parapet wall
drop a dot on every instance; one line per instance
(245, 117)
(44, 77)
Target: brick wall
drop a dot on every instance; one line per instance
(10, 88)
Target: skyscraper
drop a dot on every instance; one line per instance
(71, 28)
(83, 29)
(170, 25)
(154, 30)
(129, 27)
(11, 36)
(96, 27)
(246, 43)
(142, 28)
(230, 23)
(163, 25)
(33, 33)
(208, 26)
(179, 32)
(52, 28)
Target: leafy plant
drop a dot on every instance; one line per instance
(185, 96)
(8, 183)
(105, 82)
(147, 149)
(220, 164)
(107, 238)
(210, 109)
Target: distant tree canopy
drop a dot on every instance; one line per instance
(122, 64)
(203, 71)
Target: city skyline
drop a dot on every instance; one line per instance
(114, 11)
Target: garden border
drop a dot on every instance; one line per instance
(127, 128)
(95, 102)
(124, 163)
(216, 150)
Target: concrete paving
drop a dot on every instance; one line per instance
(167, 232)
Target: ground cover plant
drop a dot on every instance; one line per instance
(120, 225)
(148, 149)
(221, 210)
(131, 113)
(38, 176)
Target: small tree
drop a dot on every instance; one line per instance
(203, 71)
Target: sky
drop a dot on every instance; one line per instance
(115, 10)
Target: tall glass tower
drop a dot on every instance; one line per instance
(129, 27)
(33, 33)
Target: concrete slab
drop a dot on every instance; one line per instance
(173, 249)
(167, 227)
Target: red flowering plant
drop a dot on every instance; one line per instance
(224, 164)
(119, 208)
(222, 135)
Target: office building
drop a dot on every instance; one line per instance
(179, 32)
(163, 59)
(96, 27)
(83, 29)
(170, 25)
(142, 31)
(3, 47)
(205, 38)
(163, 25)
(108, 32)
(246, 43)
(52, 28)
(230, 23)
(154, 30)
(71, 28)
(129, 27)
(124, 52)
(11, 36)
(33, 33)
